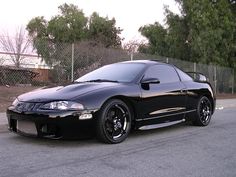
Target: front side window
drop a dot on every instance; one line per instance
(165, 73)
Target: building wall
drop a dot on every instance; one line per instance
(32, 62)
(43, 75)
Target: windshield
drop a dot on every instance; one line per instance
(120, 72)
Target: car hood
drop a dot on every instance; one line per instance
(67, 92)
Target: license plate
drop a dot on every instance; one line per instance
(26, 127)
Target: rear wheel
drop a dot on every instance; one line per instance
(113, 122)
(204, 112)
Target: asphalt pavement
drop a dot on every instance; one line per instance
(178, 150)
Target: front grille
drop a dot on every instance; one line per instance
(25, 107)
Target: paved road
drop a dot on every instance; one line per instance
(179, 150)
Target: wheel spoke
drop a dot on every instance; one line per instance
(116, 121)
(205, 111)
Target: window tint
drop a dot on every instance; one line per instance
(165, 73)
(183, 76)
(121, 72)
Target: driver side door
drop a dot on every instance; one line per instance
(165, 98)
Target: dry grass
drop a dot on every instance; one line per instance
(8, 94)
(225, 96)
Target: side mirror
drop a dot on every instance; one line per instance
(150, 81)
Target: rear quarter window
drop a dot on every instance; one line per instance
(183, 76)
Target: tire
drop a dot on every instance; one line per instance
(113, 122)
(203, 113)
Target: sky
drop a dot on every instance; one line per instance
(129, 14)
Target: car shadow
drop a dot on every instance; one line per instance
(173, 127)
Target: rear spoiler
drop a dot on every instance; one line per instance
(198, 77)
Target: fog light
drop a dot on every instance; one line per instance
(85, 116)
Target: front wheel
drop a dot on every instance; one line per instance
(204, 112)
(113, 122)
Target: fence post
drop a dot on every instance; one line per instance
(215, 81)
(72, 61)
(233, 83)
(194, 70)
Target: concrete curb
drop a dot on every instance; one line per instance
(3, 128)
(3, 122)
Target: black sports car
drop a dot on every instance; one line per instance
(113, 99)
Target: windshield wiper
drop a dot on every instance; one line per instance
(101, 80)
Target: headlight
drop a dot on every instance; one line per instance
(62, 105)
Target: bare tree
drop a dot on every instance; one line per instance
(15, 46)
(131, 47)
(2, 60)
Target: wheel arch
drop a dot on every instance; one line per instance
(127, 101)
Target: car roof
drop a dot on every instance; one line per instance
(147, 62)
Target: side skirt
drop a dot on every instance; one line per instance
(166, 119)
(166, 124)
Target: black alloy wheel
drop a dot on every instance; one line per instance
(204, 112)
(114, 122)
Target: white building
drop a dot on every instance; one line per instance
(29, 61)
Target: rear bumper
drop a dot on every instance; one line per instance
(43, 126)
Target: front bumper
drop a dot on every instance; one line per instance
(55, 127)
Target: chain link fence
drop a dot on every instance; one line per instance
(63, 63)
(221, 78)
